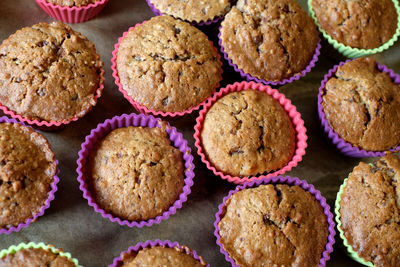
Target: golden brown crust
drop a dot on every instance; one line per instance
(248, 133)
(272, 225)
(160, 257)
(71, 3)
(269, 39)
(370, 211)
(168, 65)
(362, 105)
(135, 173)
(364, 24)
(35, 257)
(193, 10)
(27, 167)
(49, 72)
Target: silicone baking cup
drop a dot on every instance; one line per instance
(343, 146)
(21, 246)
(72, 14)
(348, 247)
(352, 52)
(47, 202)
(249, 77)
(289, 181)
(298, 125)
(141, 108)
(157, 243)
(106, 127)
(157, 12)
(54, 125)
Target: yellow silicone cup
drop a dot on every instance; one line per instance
(349, 248)
(352, 52)
(14, 249)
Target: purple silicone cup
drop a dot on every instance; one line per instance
(157, 12)
(289, 181)
(343, 146)
(157, 243)
(46, 205)
(249, 77)
(125, 120)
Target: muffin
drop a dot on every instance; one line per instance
(49, 72)
(135, 173)
(271, 225)
(27, 174)
(268, 39)
(167, 65)
(358, 24)
(71, 3)
(195, 11)
(247, 133)
(370, 213)
(362, 105)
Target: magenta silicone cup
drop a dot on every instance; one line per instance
(72, 14)
(47, 202)
(106, 127)
(157, 243)
(249, 77)
(295, 117)
(343, 146)
(289, 181)
(141, 108)
(157, 12)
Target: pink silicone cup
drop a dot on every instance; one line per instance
(156, 243)
(298, 123)
(282, 180)
(47, 202)
(72, 14)
(157, 12)
(343, 146)
(249, 77)
(54, 125)
(143, 109)
(102, 130)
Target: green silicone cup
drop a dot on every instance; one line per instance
(14, 249)
(352, 52)
(349, 248)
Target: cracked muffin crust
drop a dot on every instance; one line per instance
(168, 65)
(193, 10)
(370, 211)
(364, 24)
(72, 3)
(135, 173)
(49, 72)
(271, 225)
(35, 257)
(362, 105)
(160, 257)
(247, 133)
(269, 39)
(27, 168)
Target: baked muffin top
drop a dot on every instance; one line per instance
(272, 225)
(48, 72)
(247, 133)
(364, 24)
(193, 10)
(370, 211)
(160, 257)
(168, 65)
(269, 39)
(72, 3)
(362, 105)
(27, 167)
(135, 173)
(35, 257)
